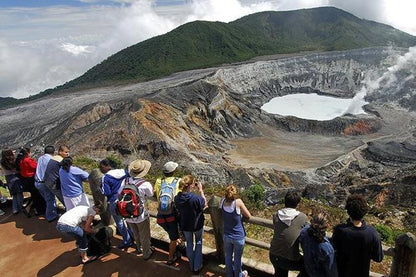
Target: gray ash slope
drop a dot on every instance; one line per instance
(210, 121)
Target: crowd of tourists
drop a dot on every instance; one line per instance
(181, 203)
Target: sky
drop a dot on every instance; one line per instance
(45, 43)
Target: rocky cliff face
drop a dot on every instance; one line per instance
(210, 121)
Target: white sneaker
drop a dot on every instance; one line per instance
(245, 273)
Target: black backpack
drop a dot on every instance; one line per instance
(100, 243)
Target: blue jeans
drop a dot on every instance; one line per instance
(17, 202)
(194, 255)
(233, 254)
(77, 233)
(50, 212)
(119, 223)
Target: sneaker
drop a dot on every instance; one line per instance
(2, 212)
(245, 273)
(3, 200)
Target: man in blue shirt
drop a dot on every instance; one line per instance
(110, 186)
(51, 176)
(51, 212)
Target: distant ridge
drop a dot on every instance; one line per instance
(201, 44)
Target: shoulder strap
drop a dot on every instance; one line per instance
(139, 182)
(163, 182)
(175, 180)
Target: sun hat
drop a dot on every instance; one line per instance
(169, 167)
(139, 168)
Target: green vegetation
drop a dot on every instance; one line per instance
(253, 197)
(386, 233)
(85, 163)
(118, 163)
(203, 44)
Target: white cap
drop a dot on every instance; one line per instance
(169, 167)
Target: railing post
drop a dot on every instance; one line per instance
(217, 225)
(404, 261)
(94, 180)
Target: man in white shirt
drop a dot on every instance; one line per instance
(141, 225)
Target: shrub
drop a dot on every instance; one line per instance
(116, 161)
(85, 163)
(254, 196)
(386, 233)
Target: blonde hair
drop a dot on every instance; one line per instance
(230, 193)
(185, 182)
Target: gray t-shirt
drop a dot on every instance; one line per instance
(285, 242)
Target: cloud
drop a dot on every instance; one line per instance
(84, 36)
(224, 10)
(76, 49)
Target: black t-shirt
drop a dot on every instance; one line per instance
(355, 247)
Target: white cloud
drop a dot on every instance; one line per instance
(76, 49)
(45, 47)
(224, 10)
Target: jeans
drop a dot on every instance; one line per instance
(16, 191)
(50, 212)
(194, 256)
(233, 254)
(17, 202)
(77, 233)
(120, 223)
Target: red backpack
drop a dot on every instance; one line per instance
(129, 203)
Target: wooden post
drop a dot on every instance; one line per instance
(218, 226)
(404, 261)
(94, 180)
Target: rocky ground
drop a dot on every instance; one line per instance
(210, 121)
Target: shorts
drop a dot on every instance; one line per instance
(170, 225)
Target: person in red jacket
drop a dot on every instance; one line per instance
(27, 169)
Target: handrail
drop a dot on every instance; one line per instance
(403, 253)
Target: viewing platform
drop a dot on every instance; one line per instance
(33, 247)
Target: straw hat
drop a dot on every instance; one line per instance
(139, 168)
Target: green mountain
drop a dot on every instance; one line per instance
(203, 44)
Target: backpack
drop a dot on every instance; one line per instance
(166, 205)
(100, 243)
(129, 203)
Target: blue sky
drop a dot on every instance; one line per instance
(45, 43)
(78, 3)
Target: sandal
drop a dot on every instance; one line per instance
(89, 259)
